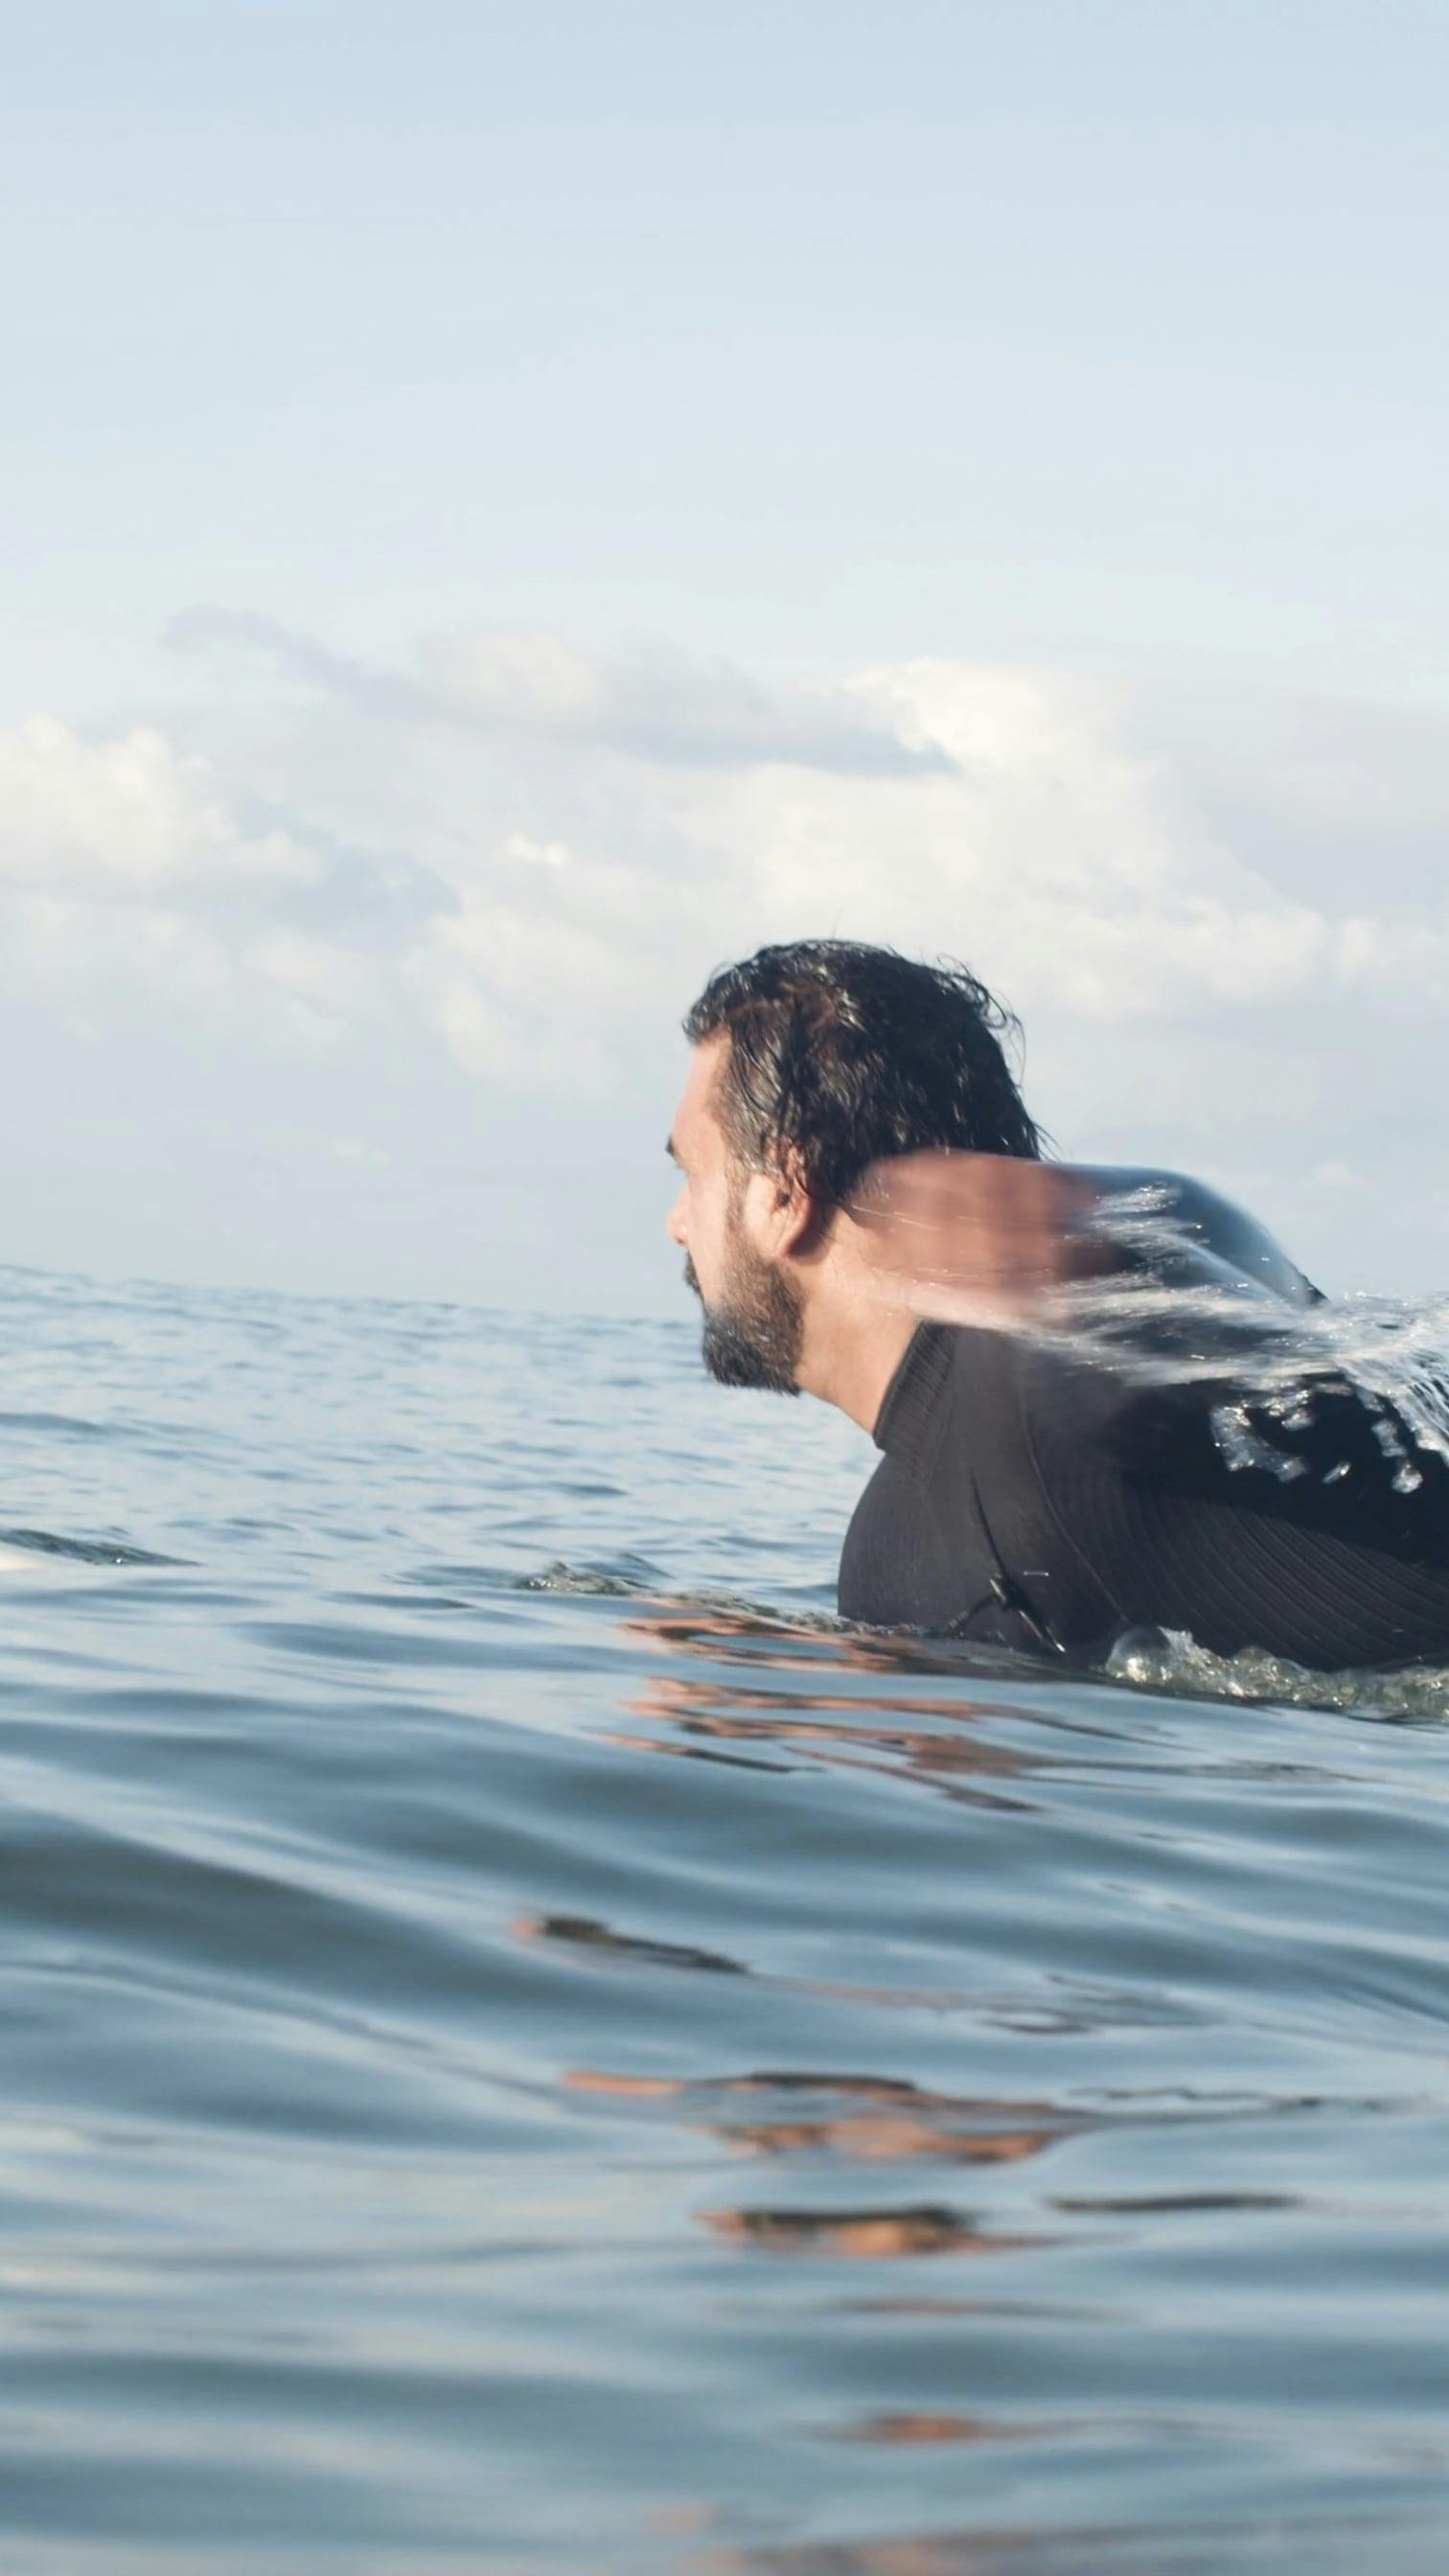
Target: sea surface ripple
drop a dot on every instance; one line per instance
(528, 2048)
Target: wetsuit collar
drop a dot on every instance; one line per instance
(909, 1420)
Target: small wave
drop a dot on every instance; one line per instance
(726, 1615)
(590, 1580)
(82, 1551)
(73, 1424)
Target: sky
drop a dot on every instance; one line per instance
(505, 510)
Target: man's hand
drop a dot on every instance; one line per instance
(981, 1239)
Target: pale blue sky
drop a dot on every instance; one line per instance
(1098, 341)
(815, 332)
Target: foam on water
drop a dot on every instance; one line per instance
(1179, 1665)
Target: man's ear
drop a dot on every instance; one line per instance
(798, 1218)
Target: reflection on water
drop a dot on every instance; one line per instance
(858, 2235)
(1335, 2545)
(515, 2059)
(912, 2430)
(707, 1712)
(867, 2118)
(575, 1931)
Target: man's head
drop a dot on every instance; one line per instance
(812, 1063)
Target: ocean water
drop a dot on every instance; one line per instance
(527, 2049)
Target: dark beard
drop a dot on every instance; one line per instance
(753, 1336)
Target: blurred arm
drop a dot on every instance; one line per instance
(995, 1240)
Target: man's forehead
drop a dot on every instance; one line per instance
(696, 1121)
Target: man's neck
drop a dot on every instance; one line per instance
(854, 1344)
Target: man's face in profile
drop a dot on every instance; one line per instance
(753, 1321)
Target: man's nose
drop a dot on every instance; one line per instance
(675, 1226)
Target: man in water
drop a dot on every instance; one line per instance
(866, 1218)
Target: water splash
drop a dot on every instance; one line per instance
(589, 1581)
(1173, 1663)
(1177, 1318)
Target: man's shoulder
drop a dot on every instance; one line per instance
(1191, 1233)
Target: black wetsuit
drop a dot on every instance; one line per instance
(1042, 1503)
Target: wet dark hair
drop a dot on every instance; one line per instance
(842, 1055)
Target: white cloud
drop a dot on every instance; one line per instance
(132, 872)
(656, 706)
(127, 818)
(529, 860)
